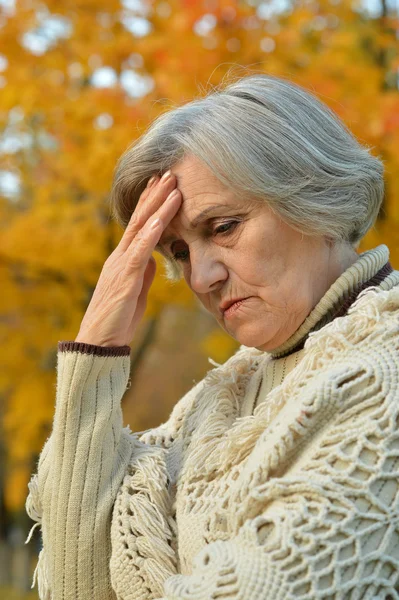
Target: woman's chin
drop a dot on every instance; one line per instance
(252, 335)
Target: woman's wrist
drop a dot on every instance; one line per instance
(98, 342)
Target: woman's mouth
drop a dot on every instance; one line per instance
(233, 308)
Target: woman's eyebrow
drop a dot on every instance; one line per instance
(192, 225)
(203, 214)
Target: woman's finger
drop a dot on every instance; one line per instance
(150, 200)
(145, 241)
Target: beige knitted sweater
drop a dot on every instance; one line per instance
(275, 477)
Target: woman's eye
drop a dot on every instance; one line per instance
(226, 227)
(179, 254)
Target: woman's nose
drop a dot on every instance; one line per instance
(207, 274)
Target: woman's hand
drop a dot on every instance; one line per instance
(120, 297)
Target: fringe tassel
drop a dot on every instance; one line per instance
(31, 531)
(215, 411)
(143, 508)
(33, 504)
(34, 509)
(41, 572)
(213, 362)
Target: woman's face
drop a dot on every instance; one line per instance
(239, 249)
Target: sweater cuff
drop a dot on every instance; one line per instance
(72, 346)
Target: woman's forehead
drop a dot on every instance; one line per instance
(200, 187)
(195, 179)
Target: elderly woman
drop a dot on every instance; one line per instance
(276, 476)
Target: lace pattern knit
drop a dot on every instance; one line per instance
(295, 500)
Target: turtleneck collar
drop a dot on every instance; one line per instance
(369, 269)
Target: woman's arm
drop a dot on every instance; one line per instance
(92, 479)
(80, 470)
(88, 451)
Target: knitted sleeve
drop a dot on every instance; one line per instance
(80, 470)
(325, 525)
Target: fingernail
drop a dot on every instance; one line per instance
(151, 181)
(166, 175)
(172, 195)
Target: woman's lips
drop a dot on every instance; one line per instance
(229, 312)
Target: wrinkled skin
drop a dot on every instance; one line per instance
(254, 255)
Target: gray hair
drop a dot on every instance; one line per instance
(268, 139)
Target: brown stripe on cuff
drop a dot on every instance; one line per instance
(71, 346)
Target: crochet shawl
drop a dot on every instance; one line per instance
(298, 500)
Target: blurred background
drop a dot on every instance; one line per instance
(79, 81)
